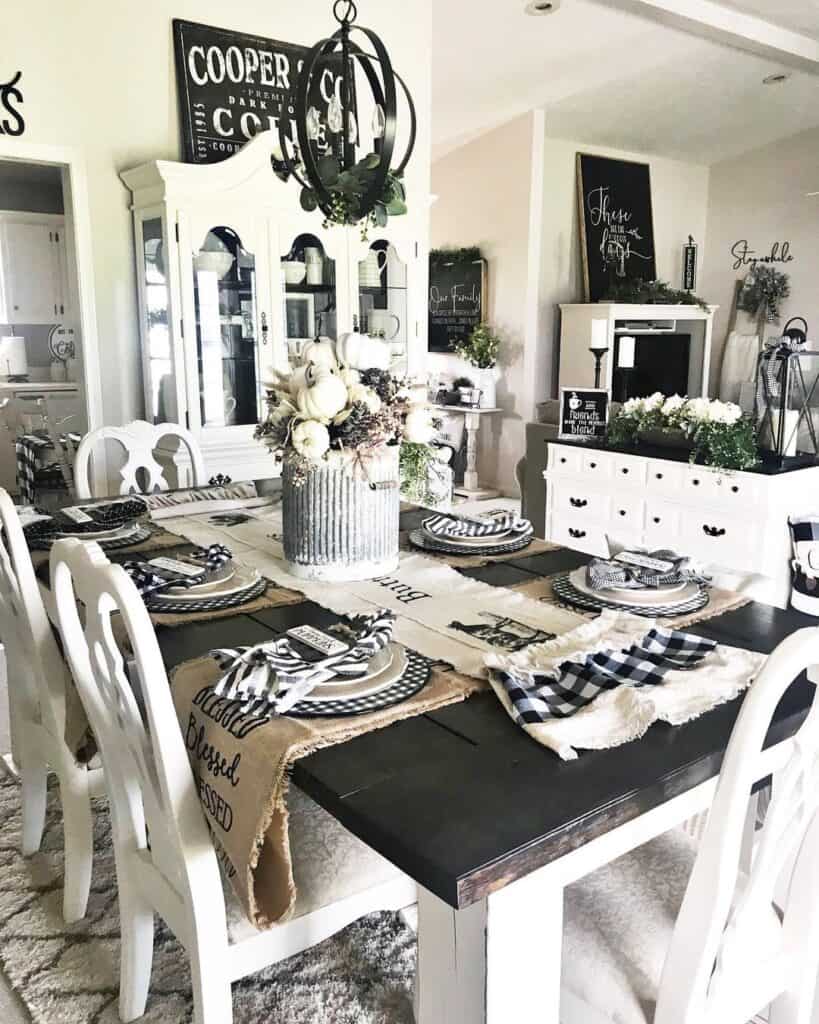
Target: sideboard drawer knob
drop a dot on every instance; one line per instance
(657, 520)
(562, 460)
(622, 511)
(624, 470)
(577, 533)
(713, 531)
(578, 502)
(592, 465)
(659, 476)
(695, 482)
(735, 489)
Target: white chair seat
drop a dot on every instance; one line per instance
(617, 932)
(329, 864)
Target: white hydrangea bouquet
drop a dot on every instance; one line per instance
(717, 433)
(342, 405)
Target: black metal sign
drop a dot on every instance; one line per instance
(690, 265)
(233, 85)
(11, 100)
(583, 413)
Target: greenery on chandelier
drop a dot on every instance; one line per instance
(716, 432)
(651, 293)
(481, 348)
(348, 189)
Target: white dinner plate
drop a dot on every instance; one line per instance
(203, 589)
(388, 675)
(641, 598)
(241, 579)
(377, 664)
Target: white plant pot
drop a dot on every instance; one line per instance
(487, 381)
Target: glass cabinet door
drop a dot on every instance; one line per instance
(382, 296)
(309, 294)
(161, 382)
(227, 319)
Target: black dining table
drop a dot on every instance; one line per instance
(491, 825)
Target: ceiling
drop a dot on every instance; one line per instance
(611, 78)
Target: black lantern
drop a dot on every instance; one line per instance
(324, 157)
(785, 396)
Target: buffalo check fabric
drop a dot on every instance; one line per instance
(602, 574)
(561, 693)
(492, 524)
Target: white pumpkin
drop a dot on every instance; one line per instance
(324, 394)
(320, 352)
(361, 352)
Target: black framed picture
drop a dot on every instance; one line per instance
(584, 414)
(616, 223)
(457, 299)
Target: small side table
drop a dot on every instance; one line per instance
(472, 422)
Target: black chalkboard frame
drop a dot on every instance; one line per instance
(432, 344)
(595, 290)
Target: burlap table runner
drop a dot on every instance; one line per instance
(720, 601)
(535, 547)
(240, 763)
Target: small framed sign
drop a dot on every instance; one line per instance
(584, 413)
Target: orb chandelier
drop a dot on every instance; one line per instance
(338, 175)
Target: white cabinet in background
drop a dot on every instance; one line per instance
(33, 278)
(213, 244)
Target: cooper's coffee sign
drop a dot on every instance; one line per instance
(583, 413)
(11, 102)
(233, 85)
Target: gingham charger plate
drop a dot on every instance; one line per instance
(214, 602)
(426, 542)
(412, 681)
(108, 540)
(565, 590)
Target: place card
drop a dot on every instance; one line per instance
(76, 515)
(317, 640)
(642, 561)
(175, 566)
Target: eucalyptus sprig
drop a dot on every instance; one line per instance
(348, 189)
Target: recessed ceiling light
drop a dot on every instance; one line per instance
(537, 7)
(776, 79)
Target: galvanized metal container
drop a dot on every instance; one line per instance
(340, 522)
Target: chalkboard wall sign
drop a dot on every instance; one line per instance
(457, 293)
(583, 413)
(232, 86)
(616, 223)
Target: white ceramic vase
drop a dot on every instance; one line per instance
(487, 381)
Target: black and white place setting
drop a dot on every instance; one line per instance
(656, 584)
(118, 523)
(497, 532)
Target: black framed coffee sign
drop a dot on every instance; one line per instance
(233, 85)
(584, 413)
(616, 223)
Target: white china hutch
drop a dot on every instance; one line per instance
(234, 277)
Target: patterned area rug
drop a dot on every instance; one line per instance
(69, 974)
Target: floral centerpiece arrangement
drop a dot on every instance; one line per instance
(717, 432)
(337, 423)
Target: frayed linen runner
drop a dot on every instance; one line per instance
(604, 683)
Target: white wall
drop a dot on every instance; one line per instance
(483, 192)
(100, 76)
(761, 197)
(680, 204)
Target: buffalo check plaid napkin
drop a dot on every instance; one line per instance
(602, 574)
(605, 682)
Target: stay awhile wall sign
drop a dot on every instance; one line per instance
(11, 100)
(745, 256)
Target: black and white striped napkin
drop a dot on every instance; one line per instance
(538, 697)
(494, 523)
(276, 674)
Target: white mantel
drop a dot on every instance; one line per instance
(577, 363)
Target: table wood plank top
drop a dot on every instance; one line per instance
(463, 800)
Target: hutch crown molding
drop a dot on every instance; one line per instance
(217, 315)
(576, 368)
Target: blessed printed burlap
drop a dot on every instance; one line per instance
(240, 763)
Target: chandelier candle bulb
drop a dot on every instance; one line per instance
(625, 354)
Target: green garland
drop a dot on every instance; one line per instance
(444, 257)
(651, 293)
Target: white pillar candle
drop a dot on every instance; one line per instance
(599, 334)
(13, 356)
(625, 353)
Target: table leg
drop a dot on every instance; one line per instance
(493, 962)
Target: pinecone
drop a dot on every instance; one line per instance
(382, 383)
(356, 429)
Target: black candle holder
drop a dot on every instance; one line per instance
(598, 354)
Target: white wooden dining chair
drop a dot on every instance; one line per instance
(140, 440)
(165, 857)
(38, 687)
(674, 934)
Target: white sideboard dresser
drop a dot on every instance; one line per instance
(735, 523)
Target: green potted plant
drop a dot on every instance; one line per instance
(481, 349)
